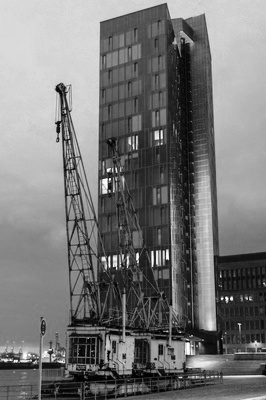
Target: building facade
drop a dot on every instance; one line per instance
(156, 101)
(242, 296)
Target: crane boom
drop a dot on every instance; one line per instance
(80, 212)
(149, 306)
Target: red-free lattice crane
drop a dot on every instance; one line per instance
(83, 236)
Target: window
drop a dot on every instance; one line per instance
(115, 261)
(104, 185)
(164, 194)
(129, 88)
(158, 137)
(136, 123)
(135, 34)
(121, 56)
(83, 350)
(121, 92)
(164, 216)
(156, 81)
(157, 196)
(159, 62)
(157, 154)
(157, 117)
(136, 105)
(103, 61)
(108, 223)
(110, 42)
(109, 111)
(136, 52)
(109, 76)
(113, 346)
(132, 142)
(159, 236)
(161, 175)
(135, 69)
(160, 99)
(129, 124)
(160, 258)
(160, 349)
(160, 195)
(103, 130)
(129, 53)
(141, 351)
(102, 205)
(103, 95)
(121, 40)
(114, 58)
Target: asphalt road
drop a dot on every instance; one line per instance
(251, 387)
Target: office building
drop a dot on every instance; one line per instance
(242, 296)
(156, 100)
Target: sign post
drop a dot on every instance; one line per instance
(42, 333)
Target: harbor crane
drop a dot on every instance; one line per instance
(82, 229)
(151, 310)
(116, 322)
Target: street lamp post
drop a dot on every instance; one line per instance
(225, 342)
(239, 328)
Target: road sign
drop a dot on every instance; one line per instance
(43, 327)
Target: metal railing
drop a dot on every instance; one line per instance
(107, 389)
(14, 392)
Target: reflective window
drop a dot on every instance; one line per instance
(132, 142)
(129, 54)
(160, 195)
(103, 61)
(135, 32)
(158, 137)
(104, 186)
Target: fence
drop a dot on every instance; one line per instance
(107, 389)
(15, 392)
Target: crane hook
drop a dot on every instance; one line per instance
(58, 130)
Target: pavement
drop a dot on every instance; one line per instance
(241, 387)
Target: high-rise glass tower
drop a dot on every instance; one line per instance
(156, 101)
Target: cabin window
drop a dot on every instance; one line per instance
(83, 350)
(114, 346)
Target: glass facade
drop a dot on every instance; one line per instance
(205, 192)
(156, 100)
(242, 295)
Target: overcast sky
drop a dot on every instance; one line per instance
(49, 41)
